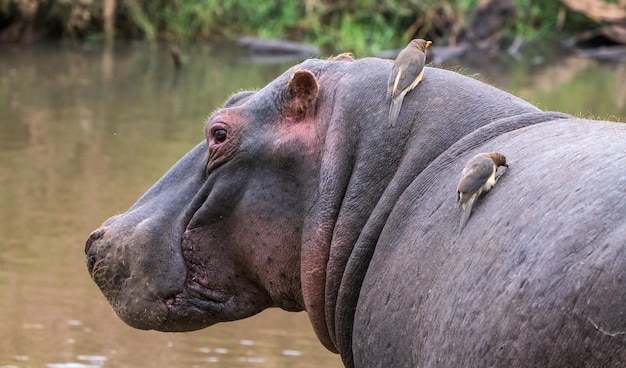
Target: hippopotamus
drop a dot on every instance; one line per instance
(300, 197)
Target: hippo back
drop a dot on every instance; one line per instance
(536, 278)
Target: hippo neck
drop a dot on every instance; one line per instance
(357, 194)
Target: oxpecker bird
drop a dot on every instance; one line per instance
(407, 72)
(479, 175)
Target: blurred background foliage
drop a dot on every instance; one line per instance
(363, 26)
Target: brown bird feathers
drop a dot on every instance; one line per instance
(407, 72)
(478, 176)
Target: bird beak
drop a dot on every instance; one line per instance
(428, 43)
(505, 165)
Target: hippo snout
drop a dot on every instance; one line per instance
(125, 257)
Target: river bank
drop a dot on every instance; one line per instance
(365, 27)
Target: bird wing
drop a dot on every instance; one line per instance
(475, 174)
(391, 82)
(407, 68)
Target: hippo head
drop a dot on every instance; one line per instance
(218, 237)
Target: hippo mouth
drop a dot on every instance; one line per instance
(198, 280)
(189, 311)
(197, 304)
(162, 290)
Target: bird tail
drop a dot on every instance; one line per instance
(467, 210)
(394, 111)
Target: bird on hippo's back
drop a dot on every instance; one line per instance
(478, 176)
(407, 72)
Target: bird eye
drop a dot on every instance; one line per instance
(219, 135)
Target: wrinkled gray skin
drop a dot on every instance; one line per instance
(307, 201)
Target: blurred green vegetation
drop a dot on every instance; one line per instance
(360, 26)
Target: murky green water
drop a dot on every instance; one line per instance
(83, 133)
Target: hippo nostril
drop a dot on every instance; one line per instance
(96, 235)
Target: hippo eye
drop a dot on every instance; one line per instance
(219, 135)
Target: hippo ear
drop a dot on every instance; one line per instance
(301, 94)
